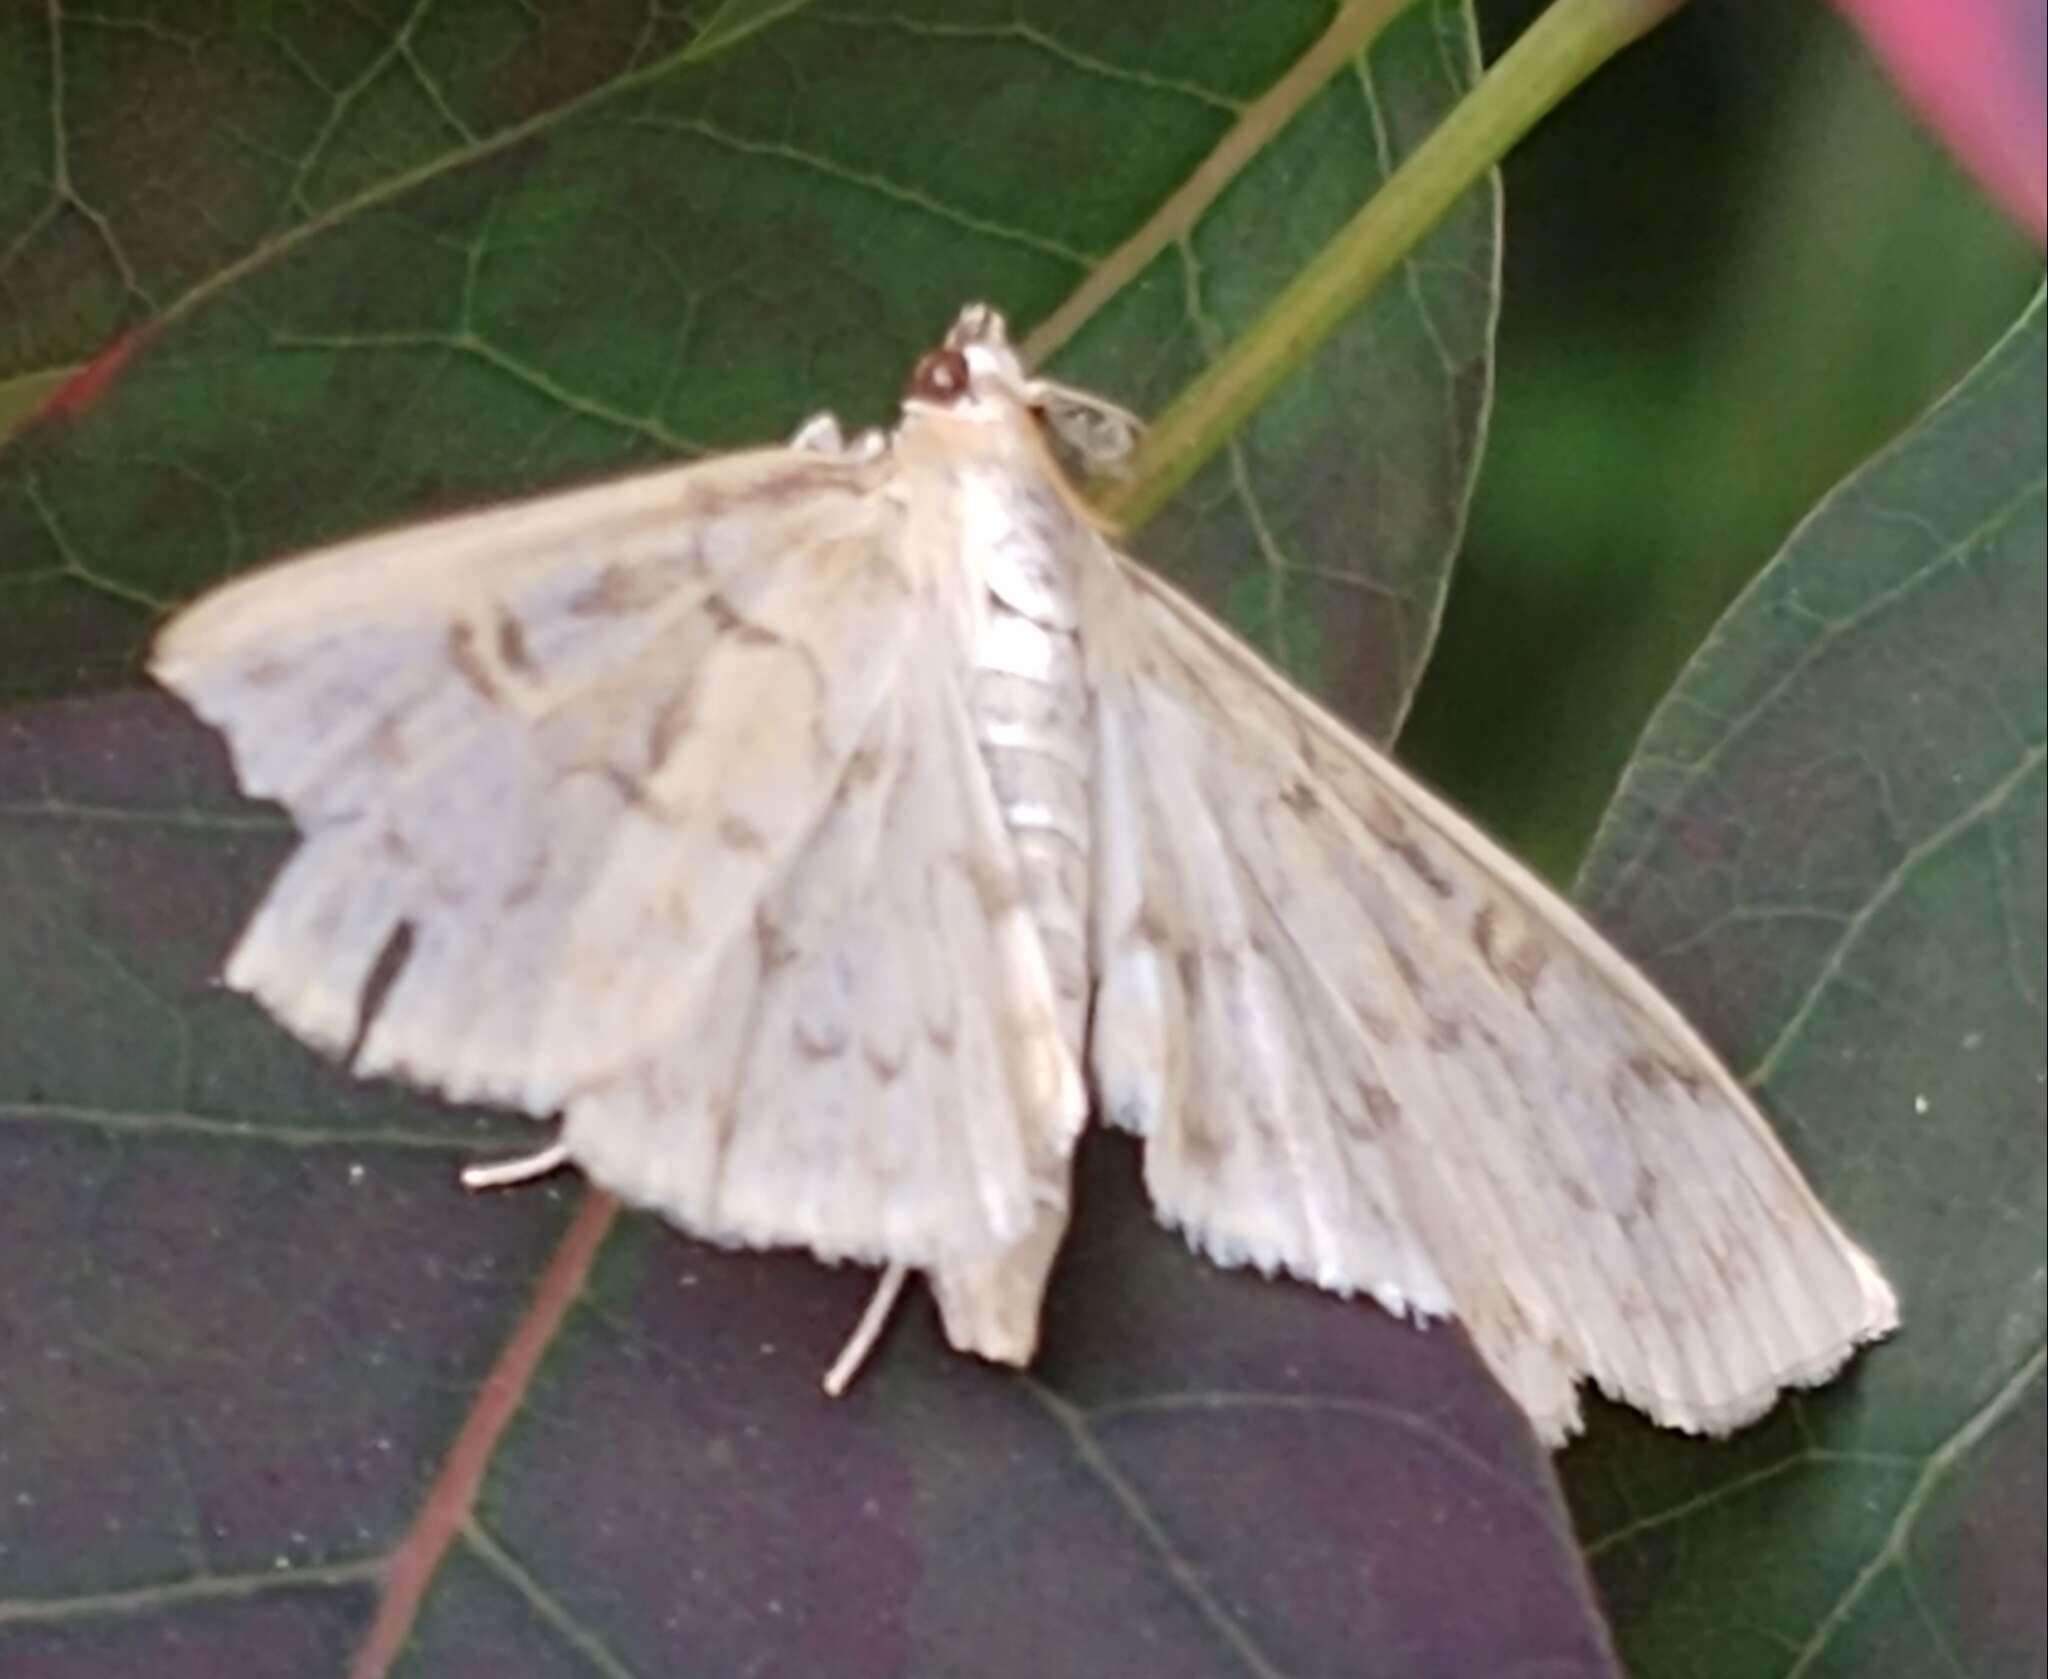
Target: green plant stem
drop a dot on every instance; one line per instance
(1564, 46)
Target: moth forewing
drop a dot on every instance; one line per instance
(1477, 1089)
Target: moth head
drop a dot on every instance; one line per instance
(973, 370)
(975, 373)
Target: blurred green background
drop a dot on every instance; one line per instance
(1735, 265)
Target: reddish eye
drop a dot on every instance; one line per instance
(940, 376)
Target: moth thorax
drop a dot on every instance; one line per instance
(1034, 734)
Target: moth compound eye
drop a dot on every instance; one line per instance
(940, 376)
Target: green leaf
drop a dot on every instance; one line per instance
(273, 1384)
(418, 286)
(1831, 846)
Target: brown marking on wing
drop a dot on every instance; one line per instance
(1525, 968)
(825, 1043)
(1227, 963)
(669, 725)
(1383, 1110)
(996, 885)
(1416, 861)
(619, 590)
(1382, 1027)
(629, 788)
(469, 662)
(1443, 1032)
(1647, 1192)
(1201, 1149)
(771, 943)
(886, 1068)
(1485, 933)
(527, 886)
(1149, 926)
(864, 766)
(800, 477)
(676, 912)
(739, 834)
(513, 653)
(1303, 800)
(387, 744)
(1656, 1071)
(1390, 828)
(1521, 963)
(1648, 1071)
(727, 619)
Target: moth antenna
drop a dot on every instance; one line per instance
(867, 1332)
(498, 1173)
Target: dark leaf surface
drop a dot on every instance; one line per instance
(396, 282)
(1832, 846)
(250, 1321)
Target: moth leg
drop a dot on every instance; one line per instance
(498, 1173)
(820, 434)
(1102, 434)
(865, 1333)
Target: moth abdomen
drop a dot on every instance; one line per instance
(1033, 723)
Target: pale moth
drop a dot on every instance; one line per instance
(823, 832)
